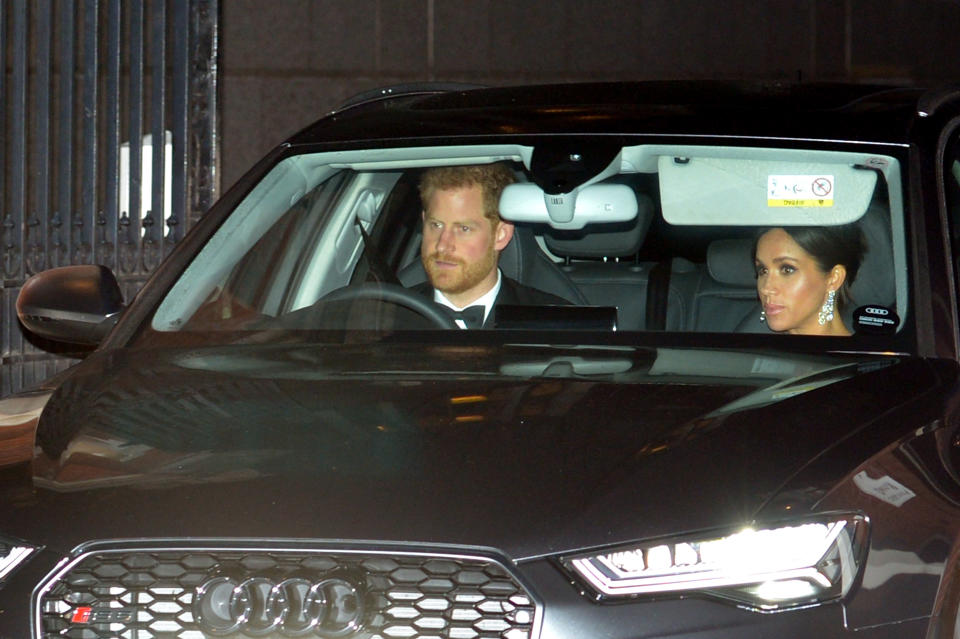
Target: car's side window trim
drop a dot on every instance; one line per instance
(948, 192)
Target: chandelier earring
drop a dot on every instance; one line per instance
(763, 316)
(826, 312)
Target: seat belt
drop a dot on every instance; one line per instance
(658, 290)
(375, 263)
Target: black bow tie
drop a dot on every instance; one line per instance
(472, 316)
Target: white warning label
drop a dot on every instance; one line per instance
(800, 190)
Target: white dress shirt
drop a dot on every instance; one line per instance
(486, 300)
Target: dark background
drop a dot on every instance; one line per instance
(284, 63)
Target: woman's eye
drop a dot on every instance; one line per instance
(787, 269)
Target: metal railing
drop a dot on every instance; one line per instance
(94, 96)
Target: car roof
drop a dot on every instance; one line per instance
(842, 112)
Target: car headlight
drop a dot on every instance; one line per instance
(13, 553)
(766, 568)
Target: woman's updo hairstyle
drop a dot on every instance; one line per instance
(829, 246)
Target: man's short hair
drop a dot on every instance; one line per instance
(492, 178)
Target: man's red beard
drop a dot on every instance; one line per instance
(462, 278)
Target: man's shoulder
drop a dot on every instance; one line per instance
(513, 292)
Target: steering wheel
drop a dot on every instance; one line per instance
(395, 294)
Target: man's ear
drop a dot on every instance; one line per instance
(502, 235)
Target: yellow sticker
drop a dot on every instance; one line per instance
(800, 190)
(799, 202)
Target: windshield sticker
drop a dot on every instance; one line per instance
(885, 488)
(800, 190)
(876, 320)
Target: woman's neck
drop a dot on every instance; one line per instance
(834, 327)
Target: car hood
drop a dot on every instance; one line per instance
(532, 450)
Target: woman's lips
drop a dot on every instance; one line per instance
(772, 309)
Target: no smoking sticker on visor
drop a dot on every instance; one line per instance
(800, 190)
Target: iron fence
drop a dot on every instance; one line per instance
(108, 131)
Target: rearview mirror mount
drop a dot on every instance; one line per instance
(595, 203)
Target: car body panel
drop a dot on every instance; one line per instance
(154, 441)
(144, 421)
(861, 114)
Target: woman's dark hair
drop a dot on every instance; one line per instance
(829, 246)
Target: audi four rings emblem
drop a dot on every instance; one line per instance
(294, 607)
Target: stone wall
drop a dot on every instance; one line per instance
(284, 63)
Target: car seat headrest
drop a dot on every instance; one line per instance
(729, 262)
(513, 257)
(607, 240)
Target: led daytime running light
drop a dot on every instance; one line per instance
(768, 567)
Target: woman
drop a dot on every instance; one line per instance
(804, 276)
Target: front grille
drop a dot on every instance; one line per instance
(190, 593)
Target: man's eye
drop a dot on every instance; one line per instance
(464, 228)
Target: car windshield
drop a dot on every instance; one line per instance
(677, 238)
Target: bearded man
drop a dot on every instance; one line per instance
(463, 235)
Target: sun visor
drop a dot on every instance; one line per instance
(762, 192)
(595, 203)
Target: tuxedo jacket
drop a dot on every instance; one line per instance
(511, 292)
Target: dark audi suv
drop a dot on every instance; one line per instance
(282, 436)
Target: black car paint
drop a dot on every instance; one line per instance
(274, 441)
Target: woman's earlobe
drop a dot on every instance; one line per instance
(837, 276)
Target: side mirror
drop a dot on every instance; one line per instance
(72, 304)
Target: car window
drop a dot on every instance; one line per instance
(333, 241)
